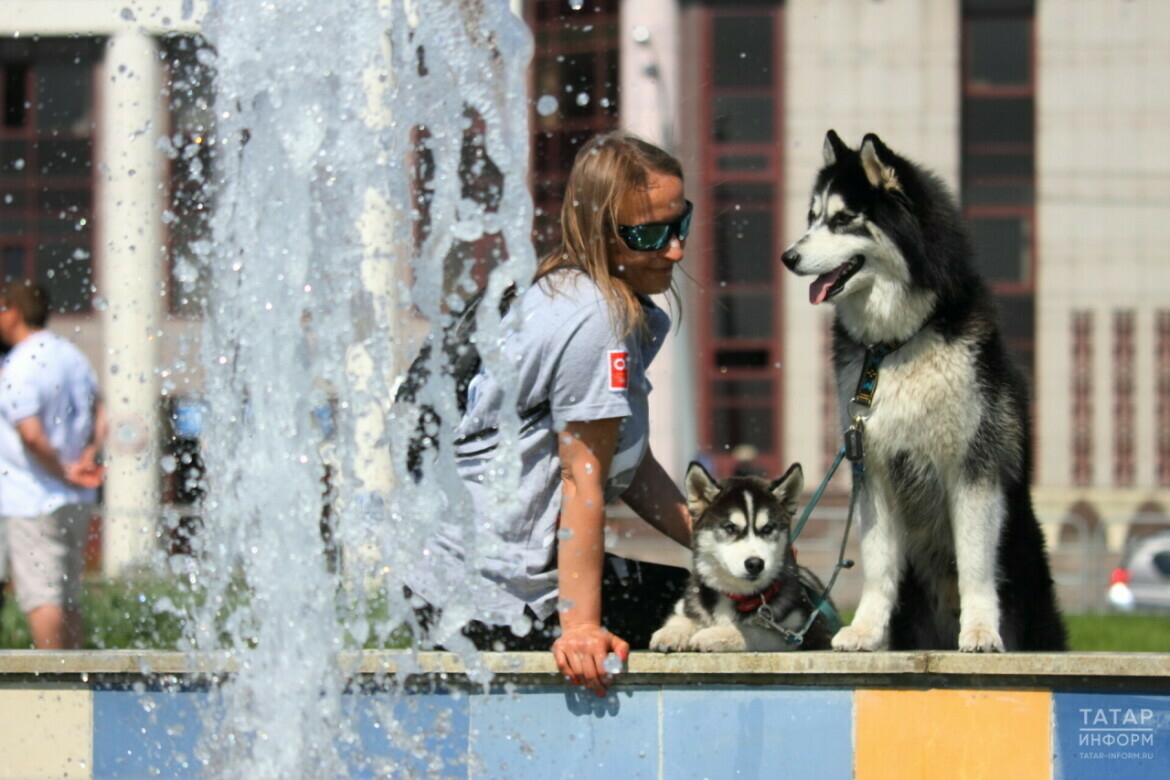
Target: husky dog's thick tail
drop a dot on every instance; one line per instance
(746, 590)
(951, 551)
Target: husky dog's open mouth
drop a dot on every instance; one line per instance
(827, 285)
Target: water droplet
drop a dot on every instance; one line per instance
(576, 5)
(546, 105)
(612, 664)
(521, 626)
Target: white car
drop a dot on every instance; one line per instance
(1142, 581)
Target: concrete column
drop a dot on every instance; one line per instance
(131, 256)
(648, 33)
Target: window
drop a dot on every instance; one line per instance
(189, 147)
(1162, 396)
(575, 96)
(46, 166)
(1081, 410)
(739, 323)
(743, 70)
(998, 158)
(1124, 400)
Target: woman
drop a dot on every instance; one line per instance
(587, 332)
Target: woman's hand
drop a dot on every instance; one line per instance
(581, 651)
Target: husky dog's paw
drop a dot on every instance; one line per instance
(980, 639)
(719, 639)
(674, 633)
(670, 638)
(858, 638)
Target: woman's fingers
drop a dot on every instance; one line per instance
(584, 669)
(580, 656)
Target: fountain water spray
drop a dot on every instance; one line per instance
(341, 181)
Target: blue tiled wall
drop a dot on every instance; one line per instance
(675, 732)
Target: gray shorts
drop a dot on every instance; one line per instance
(46, 557)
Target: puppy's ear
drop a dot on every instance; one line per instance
(701, 488)
(877, 162)
(787, 488)
(834, 148)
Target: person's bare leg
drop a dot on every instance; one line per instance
(50, 628)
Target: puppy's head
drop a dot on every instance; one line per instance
(742, 526)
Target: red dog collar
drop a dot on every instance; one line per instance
(755, 601)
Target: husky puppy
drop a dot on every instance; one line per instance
(746, 591)
(951, 552)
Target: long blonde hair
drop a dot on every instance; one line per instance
(607, 167)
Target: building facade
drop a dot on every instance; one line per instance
(1046, 117)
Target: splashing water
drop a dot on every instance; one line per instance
(340, 200)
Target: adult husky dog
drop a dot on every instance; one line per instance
(746, 590)
(951, 551)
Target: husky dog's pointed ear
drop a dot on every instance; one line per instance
(875, 161)
(834, 148)
(787, 488)
(701, 488)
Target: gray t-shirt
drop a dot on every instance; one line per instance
(571, 360)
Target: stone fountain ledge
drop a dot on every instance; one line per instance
(1116, 671)
(840, 716)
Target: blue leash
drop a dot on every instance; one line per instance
(853, 448)
(817, 495)
(820, 601)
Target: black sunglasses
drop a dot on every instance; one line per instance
(654, 235)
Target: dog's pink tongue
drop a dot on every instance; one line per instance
(819, 289)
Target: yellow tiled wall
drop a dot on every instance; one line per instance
(943, 734)
(46, 731)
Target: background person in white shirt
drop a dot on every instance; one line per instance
(52, 425)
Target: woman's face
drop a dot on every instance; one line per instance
(661, 200)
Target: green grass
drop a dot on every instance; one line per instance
(144, 614)
(117, 614)
(141, 614)
(1118, 633)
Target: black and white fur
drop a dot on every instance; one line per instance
(741, 551)
(952, 554)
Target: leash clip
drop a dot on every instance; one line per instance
(855, 440)
(768, 619)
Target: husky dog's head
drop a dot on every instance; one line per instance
(742, 526)
(885, 242)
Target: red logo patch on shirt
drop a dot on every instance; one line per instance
(619, 371)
